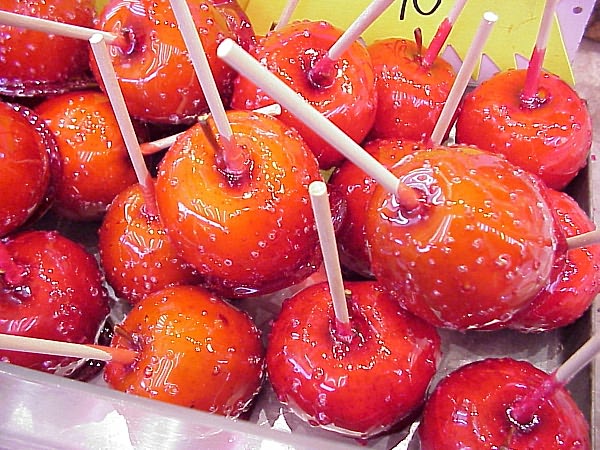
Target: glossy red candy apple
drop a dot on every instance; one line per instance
(479, 247)
(571, 292)
(361, 385)
(355, 187)
(195, 350)
(410, 95)
(248, 233)
(55, 293)
(348, 98)
(151, 60)
(28, 164)
(469, 409)
(550, 137)
(35, 63)
(137, 255)
(238, 22)
(94, 160)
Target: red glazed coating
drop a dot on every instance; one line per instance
(151, 60)
(35, 63)
(94, 160)
(196, 350)
(571, 292)
(479, 248)
(27, 156)
(135, 251)
(238, 22)
(250, 234)
(59, 295)
(360, 388)
(410, 97)
(551, 138)
(349, 101)
(468, 409)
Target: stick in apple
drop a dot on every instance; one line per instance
(584, 239)
(286, 13)
(117, 101)
(246, 65)
(522, 413)
(534, 69)
(234, 158)
(322, 72)
(70, 349)
(442, 34)
(463, 77)
(323, 220)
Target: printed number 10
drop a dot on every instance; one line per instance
(418, 8)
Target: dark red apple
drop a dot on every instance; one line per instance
(137, 255)
(480, 246)
(469, 409)
(94, 160)
(195, 350)
(56, 293)
(348, 98)
(360, 385)
(410, 95)
(247, 233)
(550, 137)
(151, 60)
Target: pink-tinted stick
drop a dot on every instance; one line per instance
(286, 13)
(523, 411)
(534, 69)
(442, 34)
(584, 239)
(322, 212)
(117, 101)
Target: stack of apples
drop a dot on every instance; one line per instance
(491, 228)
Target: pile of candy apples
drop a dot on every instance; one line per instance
(227, 221)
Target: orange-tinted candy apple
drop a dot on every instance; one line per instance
(250, 233)
(57, 295)
(238, 21)
(355, 187)
(410, 96)
(137, 255)
(348, 99)
(571, 292)
(468, 409)
(94, 161)
(151, 60)
(35, 63)
(482, 243)
(28, 163)
(195, 350)
(550, 137)
(362, 384)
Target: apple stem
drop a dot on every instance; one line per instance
(418, 34)
(323, 72)
(461, 82)
(12, 272)
(117, 101)
(286, 14)
(534, 69)
(524, 409)
(584, 239)
(442, 34)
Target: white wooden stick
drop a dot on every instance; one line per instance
(286, 13)
(584, 239)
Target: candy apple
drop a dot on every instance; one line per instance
(28, 163)
(195, 350)
(479, 247)
(469, 409)
(238, 22)
(94, 161)
(348, 98)
(247, 233)
(571, 292)
(355, 187)
(137, 255)
(550, 136)
(35, 63)
(55, 293)
(151, 60)
(410, 95)
(360, 385)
